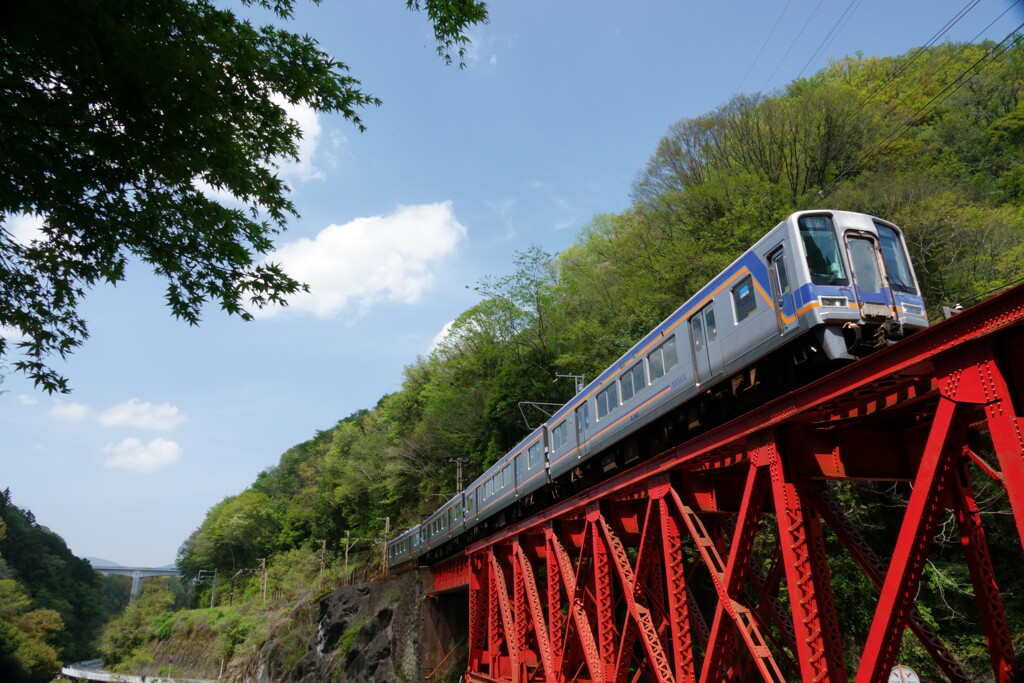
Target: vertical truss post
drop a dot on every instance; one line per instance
(556, 621)
(815, 625)
(536, 611)
(577, 612)
(872, 565)
(499, 617)
(602, 595)
(1005, 426)
(478, 615)
(675, 581)
(986, 590)
(638, 613)
(908, 559)
(746, 621)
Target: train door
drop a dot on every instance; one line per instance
(785, 306)
(707, 354)
(583, 429)
(868, 279)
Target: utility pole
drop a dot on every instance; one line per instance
(459, 462)
(263, 587)
(578, 379)
(323, 563)
(384, 552)
(204, 575)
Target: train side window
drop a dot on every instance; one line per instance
(506, 477)
(536, 456)
(633, 381)
(607, 400)
(663, 358)
(743, 299)
(560, 434)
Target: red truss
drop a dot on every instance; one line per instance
(654, 576)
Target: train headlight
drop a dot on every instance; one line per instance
(913, 309)
(834, 301)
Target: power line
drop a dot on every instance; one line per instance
(830, 36)
(764, 44)
(920, 51)
(792, 45)
(959, 82)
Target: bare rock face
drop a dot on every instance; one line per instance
(367, 634)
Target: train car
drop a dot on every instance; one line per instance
(404, 548)
(821, 287)
(444, 525)
(514, 477)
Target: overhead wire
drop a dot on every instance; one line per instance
(921, 50)
(959, 82)
(834, 31)
(792, 45)
(764, 45)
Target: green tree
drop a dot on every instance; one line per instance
(116, 114)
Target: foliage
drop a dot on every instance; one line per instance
(122, 155)
(865, 134)
(51, 602)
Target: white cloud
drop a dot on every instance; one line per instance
(442, 335)
(309, 123)
(133, 413)
(297, 171)
(69, 412)
(481, 49)
(26, 400)
(12, 334)
(370, 259)
(25, 227)
(132, 454)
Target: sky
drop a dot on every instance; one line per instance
(557, 110)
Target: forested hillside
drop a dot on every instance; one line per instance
(931, 140)
(52, 604)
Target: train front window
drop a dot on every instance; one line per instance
(895, 259)
(822, 249)
(862, 256)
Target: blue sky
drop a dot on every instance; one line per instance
(559, 107)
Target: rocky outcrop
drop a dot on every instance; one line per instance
(368, 634)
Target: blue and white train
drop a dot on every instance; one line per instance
(820, 287)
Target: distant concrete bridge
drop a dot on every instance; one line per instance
(91, 671)
(138, 574)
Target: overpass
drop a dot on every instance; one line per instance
(138, 574)
(708, 561)
(91, 671)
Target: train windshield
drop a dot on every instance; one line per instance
(895, 259)
(822, 249)
(862, 255)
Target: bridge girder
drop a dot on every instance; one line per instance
(708, 562)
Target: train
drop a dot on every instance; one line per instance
(821, 288)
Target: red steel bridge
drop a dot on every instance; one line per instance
(708, 562)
